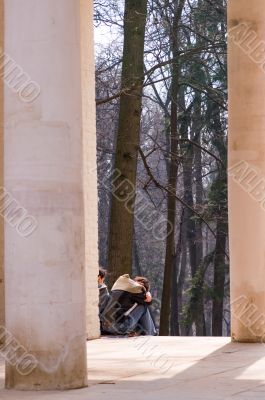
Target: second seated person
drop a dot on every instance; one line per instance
(127, 311)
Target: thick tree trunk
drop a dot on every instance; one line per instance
(171, 214)
(172, 183)
(124, 175)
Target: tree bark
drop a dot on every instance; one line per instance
(136, 258)
(172, 183)
(176, 291)
(128, 137)
(220, 214)
(219, 279)
(197, 122)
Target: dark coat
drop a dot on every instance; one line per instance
(103, 298)
(119, 303)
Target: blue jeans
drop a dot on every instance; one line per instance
(138, 320)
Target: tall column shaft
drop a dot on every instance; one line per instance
(90, 171)
(2, 298)
(247, 168)
(45, 266)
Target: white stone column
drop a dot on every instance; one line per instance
(45, 269)
(90, 172)
(247, 168)
(2, 305)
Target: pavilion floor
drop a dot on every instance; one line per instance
(155, 368)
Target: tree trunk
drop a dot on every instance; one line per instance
(220, 214)
(175, 294)
(181, 281)
(174, 316)
(128, 137)
(136, 258)
(172, 183)
(197, 123)
(219, 279)
(192, 229)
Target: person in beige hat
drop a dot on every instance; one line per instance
(127, 312)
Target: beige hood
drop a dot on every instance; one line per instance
(127, 284)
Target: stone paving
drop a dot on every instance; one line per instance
(157, 368)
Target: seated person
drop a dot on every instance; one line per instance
(145, 283)
(126, 312)
(148, 317)
(103, 290)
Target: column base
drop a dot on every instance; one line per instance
(58, 371)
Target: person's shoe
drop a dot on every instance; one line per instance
(133, 334)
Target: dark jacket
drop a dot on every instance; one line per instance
(119, 303)
(103, 297)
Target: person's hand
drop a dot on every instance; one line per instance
(148, 298)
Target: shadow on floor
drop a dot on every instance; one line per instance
(199, 368)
